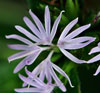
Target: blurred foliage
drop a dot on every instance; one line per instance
(12, 12)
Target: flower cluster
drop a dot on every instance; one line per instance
(43, 79)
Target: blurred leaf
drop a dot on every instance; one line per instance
(71, 9)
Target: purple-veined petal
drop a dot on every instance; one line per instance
(47, 73)
(71, 57)
(97, 72)
(58, 69)
(77, 31)
(57, 80)
(38, 23)
(18, 46)
(28, 34)
(80, 39)
(33, 90)
(94, 50)
(68, 28)
(47, 21)
(14, 36)
(55, 26)
(94, 59)
(42, 75)
(32, 27)
(75, 45)
(18, 55)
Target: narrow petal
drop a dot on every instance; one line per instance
(68, 28)
(97, 72)
(38, 69)
(32, 27)
(47, 21)
(27, 33)
(20, 66)
(33, 90)
(94, 59)
(94, 50)
(55, 26)
(18, 55)
(71, 57)
(38, 23)
(48, 75)
(77, 31)
(42, 74)
(18, 47)
(58, 69)
(57, 80)
(17, 37)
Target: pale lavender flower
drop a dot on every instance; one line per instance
(46, 69)
(39, 36)
(35, 84)
(71, 42)
(95, 58)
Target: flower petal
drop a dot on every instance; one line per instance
(47, 21)
(77, 31)
(14, 36)
(94, 50)
(97, 72)
(94, 59)
(32, 27)
(47, 73)
(68, 28)
(55, 25)
(57, 80)
(58, 69)
(18, 47)
(33, 90)
(26, 33)
(18, 55)
(38, 23)
(71, 57)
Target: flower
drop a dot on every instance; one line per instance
(46, 69)
(69, 42)
(39, 36)
(35, 84)
(95, 58)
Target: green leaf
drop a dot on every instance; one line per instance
(70, 9)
